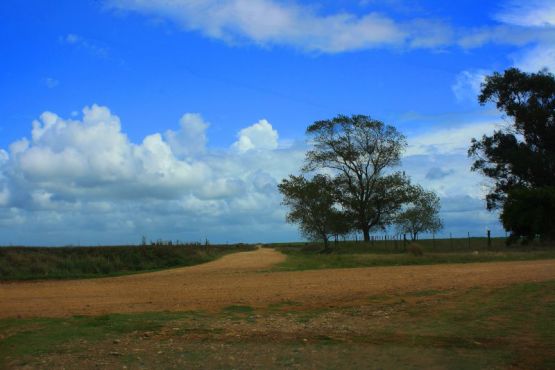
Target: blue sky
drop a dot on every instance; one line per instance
(176, 119)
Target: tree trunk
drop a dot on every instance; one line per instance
(326, 244)
(366, 233)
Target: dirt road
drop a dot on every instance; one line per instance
(240, 279)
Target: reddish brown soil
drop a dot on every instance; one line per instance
(240, 279)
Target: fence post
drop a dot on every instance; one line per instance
(489, 238)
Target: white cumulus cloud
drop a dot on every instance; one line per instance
(190, 139)
(84, 180)
(93, 155)
(260, 135)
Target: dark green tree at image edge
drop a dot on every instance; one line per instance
(519, 158)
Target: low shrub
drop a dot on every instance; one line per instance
(415, 250)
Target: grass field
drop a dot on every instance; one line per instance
(24, 263)
(304, 256)
(496, 328)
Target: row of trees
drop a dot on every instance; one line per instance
(354, 186)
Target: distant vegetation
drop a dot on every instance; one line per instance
(21, 263)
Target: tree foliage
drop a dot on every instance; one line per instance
(530, 212)
(521, 156)
(360, 149)
(313, 205)
(421, 215)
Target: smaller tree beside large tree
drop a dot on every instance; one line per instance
(313, 205)
(421, 215)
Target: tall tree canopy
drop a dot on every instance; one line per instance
(360, 150)
(522, 153)
(521, 156)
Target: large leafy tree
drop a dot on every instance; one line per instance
(519, 157)
(360, 150)
(522, 154)
(313, 205)
(421, 214)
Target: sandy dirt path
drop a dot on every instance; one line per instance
(241, 279)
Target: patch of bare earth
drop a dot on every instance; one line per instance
(243, 279)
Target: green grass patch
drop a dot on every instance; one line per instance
(24, 263)
(239, 309)
(284, 305)
(32, 337)
(310, 259)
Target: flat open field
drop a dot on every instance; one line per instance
(244, 279)
(238, 312)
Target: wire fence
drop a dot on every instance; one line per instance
(430, 242)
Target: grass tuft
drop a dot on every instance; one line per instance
(238, 309)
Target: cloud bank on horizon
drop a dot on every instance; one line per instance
(86, 180)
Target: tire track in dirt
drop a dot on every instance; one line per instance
(241, 278)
